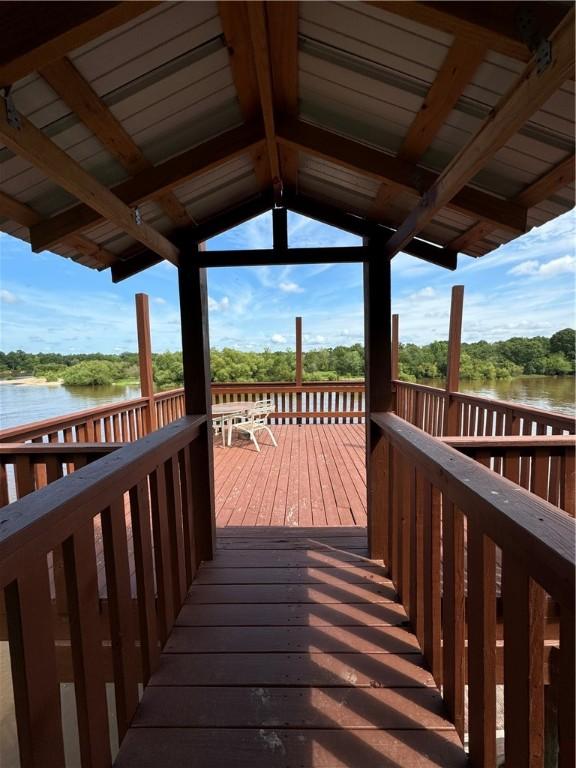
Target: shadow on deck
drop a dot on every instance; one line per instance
(291, 649)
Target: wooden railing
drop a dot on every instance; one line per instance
(456, 537)
(125, 527)
(313, 402)
(544, 465)
(429, 408)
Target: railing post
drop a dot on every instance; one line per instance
(197, 396)
(145, 361)
(299, 367)
(451, 426)
(379, 395)
(395, 346)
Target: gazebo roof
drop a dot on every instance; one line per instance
(443, 121)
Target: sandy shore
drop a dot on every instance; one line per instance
(30, 381)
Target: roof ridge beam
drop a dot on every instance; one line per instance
(156, 180)
(30, 143)
(533, 88)
(378, 165)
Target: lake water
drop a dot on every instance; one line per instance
(20, 404)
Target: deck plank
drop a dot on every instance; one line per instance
(286, 655)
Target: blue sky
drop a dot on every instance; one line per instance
(48, 303)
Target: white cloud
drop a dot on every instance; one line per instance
(159, 300)
(559, 266)
(218, 306)
(525, 268)
(290, 287)
(277, 338)
(424, 293)
(7, 297)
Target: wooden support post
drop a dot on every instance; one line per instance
(197, 397)
(280, 228)
(299, 366)
(145, 361)
(379, 395)
(395, 347)
(451, 426)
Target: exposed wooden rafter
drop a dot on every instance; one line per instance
(29, 142)
(33, 35)
(22, 214)
(497, 29)
(532, 90)
(537, 192)
(152, 182)
(73, 89)
(382, 167)
(458, 68)
(261, 52)
(234, 20)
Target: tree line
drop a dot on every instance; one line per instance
(518, 356)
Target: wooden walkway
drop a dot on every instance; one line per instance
(315, 477)
(291, 650)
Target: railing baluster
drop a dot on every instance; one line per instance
(85, 634)
(120, 611)
(453, 619)
(175, 529)
(481, 646)
(566, 694)
(164, 586)
(417, 510)
(34, 669)
(144, 566)
(187, 515)
(524, 614)
(432, 645)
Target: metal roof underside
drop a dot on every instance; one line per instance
(363, 73)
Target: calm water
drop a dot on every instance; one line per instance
(20, 404)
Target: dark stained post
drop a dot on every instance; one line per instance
(453, 367)
(280, 228)
(395, 346)
(379, 395)
(145, 360)
(197, 395)
(299, 365)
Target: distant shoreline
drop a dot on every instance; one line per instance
(31, 381)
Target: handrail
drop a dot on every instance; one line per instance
(126, 527)
(446, 516)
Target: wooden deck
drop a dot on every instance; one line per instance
(291, 650)
(315, 477)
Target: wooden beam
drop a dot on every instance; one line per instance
(379, 394)
(197, 397)
(282, 18)
(75, 91)
(395, 346)
(261, 54)
(453, 366)
(161, 178)
(280, 228)
(129, 264)
(526, 96)
(282, 256)
(455, 74)
(469, 20)
(25, 216)
(371, 162)
(560, 176)
(145, 360)
(336, 217)
(35, 34)
(29, 142)
(234, 20)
